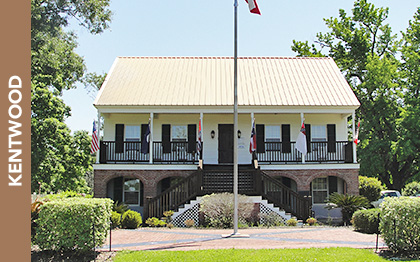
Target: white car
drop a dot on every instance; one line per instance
(386, 193)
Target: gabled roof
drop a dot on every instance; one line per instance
(208, 81)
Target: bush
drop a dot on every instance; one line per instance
(66, 194)
(411, 189)
(400, 224)
(271, 219)
(367, 221)
(292, 222)
(348, 204)
(155, 222)
(189, 222)
(67, 224)
(370, 187)
(120, 207)
(131, 219)
(218, 209)
(115, 219)
(311, 221)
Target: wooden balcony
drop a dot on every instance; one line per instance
(318, 152)
(112, 152)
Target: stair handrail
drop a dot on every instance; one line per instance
(289, 200)
(174, 196)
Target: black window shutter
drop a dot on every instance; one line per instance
(118, 189)
(260, 138)
(332, 184)
(119, 138)
(166, 138)
(192, 138)
(331, 138)
(142, 132)
(285, 139)
(308, 137)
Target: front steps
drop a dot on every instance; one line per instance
(191, 210)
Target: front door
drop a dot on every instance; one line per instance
(225, 143)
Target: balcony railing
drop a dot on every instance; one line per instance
(319, 152)
(130, 152)
(179, 153)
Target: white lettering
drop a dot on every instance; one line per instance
(14, 181)
(15, 168)
(19, 85)
(16, 153)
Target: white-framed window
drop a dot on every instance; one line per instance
(179, 133)
(132, 134)
(272, 134)
(131, 191)
(319, 190)
(319, 134)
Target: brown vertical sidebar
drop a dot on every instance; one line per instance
(15, 84)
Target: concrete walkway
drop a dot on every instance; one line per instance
(285, 237)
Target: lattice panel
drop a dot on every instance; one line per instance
(266, 210)
(191, 213)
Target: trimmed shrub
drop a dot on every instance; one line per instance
(155, 222)
(292, 222)
(131, 219)
(115, 219)
(411, 189)
(370, 187)
(400, 224)
(67, 224)
(218, 209)
(311, 221)
(66, 194)
(367, 221)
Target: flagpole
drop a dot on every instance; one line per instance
(235, 122)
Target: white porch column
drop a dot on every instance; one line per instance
(353, 131)
(98, 153)
(302, 119)
(151, 139)
(200, 154)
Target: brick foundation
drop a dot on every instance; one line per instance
(303, 178)
(149, 178)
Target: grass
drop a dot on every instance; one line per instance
(253, 255)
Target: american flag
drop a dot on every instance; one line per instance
(94, 146)
(356, 136)
(253, 142)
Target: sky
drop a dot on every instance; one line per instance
(205, 28)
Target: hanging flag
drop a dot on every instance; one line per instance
(199, 145)
(253, 7)
(94, 146)
(146, 140)
(301, 140)
(253, 142)
(356, 135)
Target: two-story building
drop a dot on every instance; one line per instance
(167, 97)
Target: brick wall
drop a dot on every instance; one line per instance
(149, 178)
(303, 178)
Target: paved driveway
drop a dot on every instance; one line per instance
(285, 237)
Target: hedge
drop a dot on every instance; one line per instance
(67, 224)
(366, 221)
(400, 224)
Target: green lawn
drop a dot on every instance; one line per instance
(252, 255)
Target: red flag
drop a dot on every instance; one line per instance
(94, 146)
(253, 142)
(253, 7)
(356, 136)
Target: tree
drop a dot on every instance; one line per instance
(366, 51)
(348, 204)
(59, 160)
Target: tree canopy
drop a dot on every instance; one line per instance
(383, 71)
(59, 159)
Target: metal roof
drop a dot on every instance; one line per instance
(208, 81)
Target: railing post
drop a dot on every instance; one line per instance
(258, 181)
